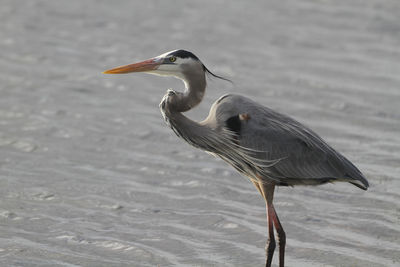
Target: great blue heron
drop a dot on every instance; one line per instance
(270, 148)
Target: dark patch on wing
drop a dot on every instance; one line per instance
(183, 54)
(234, 124)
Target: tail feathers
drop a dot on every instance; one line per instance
(362, 186)
(360, 181)
(353, 175)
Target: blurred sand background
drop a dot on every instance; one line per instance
(91, 176)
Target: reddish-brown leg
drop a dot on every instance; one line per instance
(267, 191)
(270, 246)
(281, 236)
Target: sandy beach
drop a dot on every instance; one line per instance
(90, 175)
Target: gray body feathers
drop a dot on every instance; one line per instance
(277, 148)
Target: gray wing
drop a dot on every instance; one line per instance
(298, 154)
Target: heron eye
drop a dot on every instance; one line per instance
(172, 59)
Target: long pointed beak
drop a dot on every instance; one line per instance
(147, 65)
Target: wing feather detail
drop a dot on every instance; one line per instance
(278, 148)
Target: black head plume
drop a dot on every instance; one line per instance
(214, 75)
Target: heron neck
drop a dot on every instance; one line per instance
(195, 133)
(193, 94)
(192, 131)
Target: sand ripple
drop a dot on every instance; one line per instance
(91, 176)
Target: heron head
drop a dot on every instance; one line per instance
(180, 63)
(177, 63)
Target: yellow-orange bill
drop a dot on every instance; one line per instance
(147, 65)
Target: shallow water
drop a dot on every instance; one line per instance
(91, 176)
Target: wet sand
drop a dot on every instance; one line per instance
(91, 176)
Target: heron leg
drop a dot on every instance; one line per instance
(257, 186)
(270, 246)
(281, 236)
(267, 191)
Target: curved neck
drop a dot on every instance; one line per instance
(174, 103)
(192, 96)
